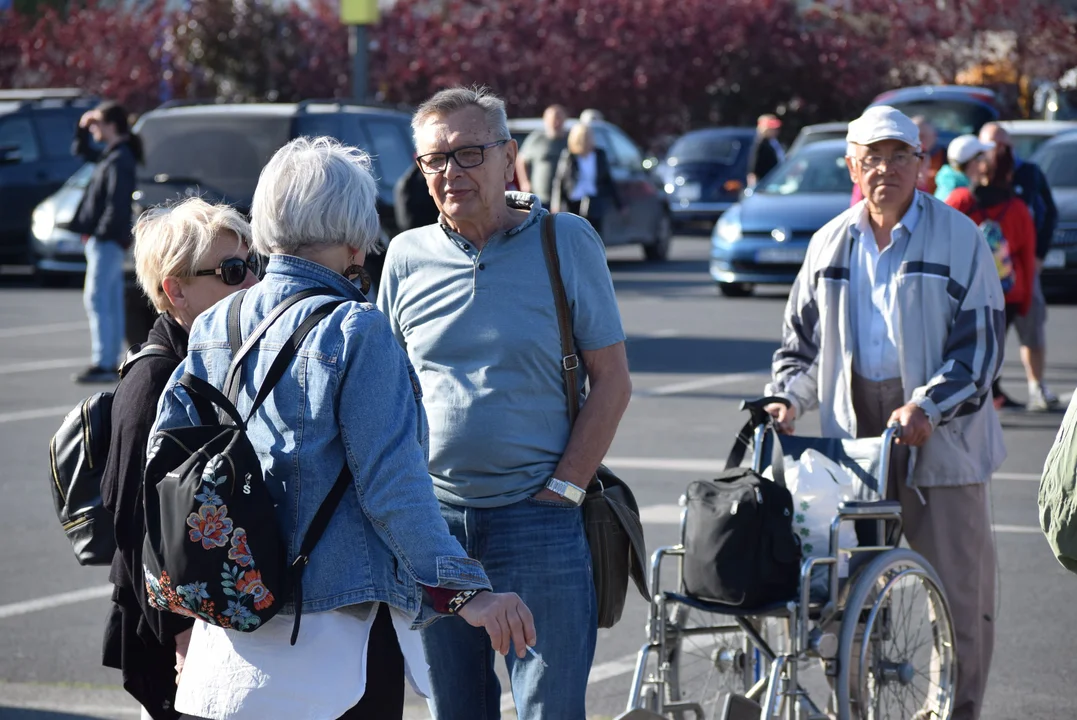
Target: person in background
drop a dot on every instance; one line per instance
(990, 203)
(583, 184)
(868, 344)
(350, 399)
(1031, 186)
(766, 151)
(187, 257)
(537, 161)
(470, 302)
(591, 115)
(962, 150)
(412, 203)
(103, 218)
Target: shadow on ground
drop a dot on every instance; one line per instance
(698, 355)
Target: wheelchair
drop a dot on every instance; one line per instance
(880, 643)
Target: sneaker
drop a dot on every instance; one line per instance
(97, 374)
(1043, 400)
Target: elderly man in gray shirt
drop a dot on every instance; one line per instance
(897, 317)
(471, 302)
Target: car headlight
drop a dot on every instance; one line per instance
(727, 229)
(43, 221)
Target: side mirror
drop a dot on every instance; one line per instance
(10, 155)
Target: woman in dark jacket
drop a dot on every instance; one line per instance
(103, 219)
(186, 258)
(583, 184)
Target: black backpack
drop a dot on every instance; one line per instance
(77, 455)
(740, 547)
(214, 548)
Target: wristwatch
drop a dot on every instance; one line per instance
(573, 493)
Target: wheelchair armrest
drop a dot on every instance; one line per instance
(861, 507)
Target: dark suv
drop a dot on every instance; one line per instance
(218, 150)
(36, 128)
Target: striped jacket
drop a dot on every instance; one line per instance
(951, 329)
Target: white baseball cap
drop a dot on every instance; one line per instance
(883, 122)
(965, 147)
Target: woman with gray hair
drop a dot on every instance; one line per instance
(187, 257)
(350, 398)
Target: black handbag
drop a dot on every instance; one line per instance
(740, 547)
(610, 512)
(213, 548)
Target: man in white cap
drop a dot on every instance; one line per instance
(897, 317)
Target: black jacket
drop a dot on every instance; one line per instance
(763, 157)
(105, 208)
(1030, 184)
(413, 205)
(139, 639)
(568, 174)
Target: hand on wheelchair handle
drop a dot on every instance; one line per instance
(784, 417)
(914, 426)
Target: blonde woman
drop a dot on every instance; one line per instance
(187, 257)
(583, 184)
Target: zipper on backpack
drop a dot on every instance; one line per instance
(77, 522)
(86, 437)
(55, 472)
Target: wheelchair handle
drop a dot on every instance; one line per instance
(757, 407)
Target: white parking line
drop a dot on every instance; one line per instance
(38, 365)
(26, 330)
(53, 601)
(57, 412)
(758, 376)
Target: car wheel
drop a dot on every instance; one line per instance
(736, 290)
(55, 280)
(658, 250)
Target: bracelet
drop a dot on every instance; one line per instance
(460, 599)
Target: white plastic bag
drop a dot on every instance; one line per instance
(819, 485)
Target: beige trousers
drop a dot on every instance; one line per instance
(951, 529)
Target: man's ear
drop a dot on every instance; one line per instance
(512, 149)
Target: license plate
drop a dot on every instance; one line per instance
(1055, 259)
(689, 192)
(780, 256)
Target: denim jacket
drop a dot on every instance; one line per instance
(351, 394)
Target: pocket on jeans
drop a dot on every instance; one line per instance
(559, 504)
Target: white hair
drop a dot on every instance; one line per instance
(174, 241)
(315, 191)
(447, 102)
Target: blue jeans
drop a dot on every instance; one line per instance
(539, 551)
(103, 297)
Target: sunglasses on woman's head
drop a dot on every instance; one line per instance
(233, 270)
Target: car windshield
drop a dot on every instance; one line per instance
(1060, 165)
(949, 116)
(224, 151)
(709, 147)
(810, 171)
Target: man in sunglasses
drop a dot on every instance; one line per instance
(897, 316)
(470, 300)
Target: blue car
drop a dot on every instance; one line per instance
(763, 239)
(704, 173)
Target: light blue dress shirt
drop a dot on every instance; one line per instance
(873, 275)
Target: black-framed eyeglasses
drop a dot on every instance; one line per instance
(233, 270)
(465, 157)
(901, 159)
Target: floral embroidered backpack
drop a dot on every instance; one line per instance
(214, 549)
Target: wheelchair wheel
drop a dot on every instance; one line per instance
(896, 656)
(708, 657)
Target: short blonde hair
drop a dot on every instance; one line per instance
(173, 241)
(578, 138)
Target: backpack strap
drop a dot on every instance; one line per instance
(146, 351)
(235, 335)
(314, 534)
